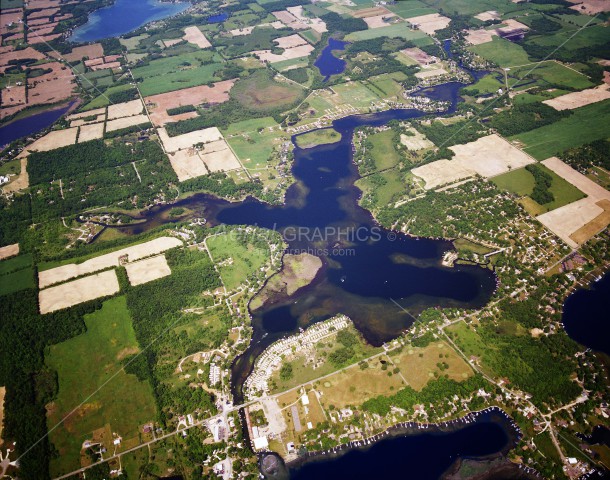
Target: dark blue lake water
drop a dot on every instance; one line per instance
(585, 315)
(124, 16)
(29, 125)
(327, 63)
(423, 457)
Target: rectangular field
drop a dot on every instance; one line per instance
(147, 270)
(95, 264)
(83, 365)
(9, 251)
(574, 100)
(582, 127)
(78, 291)
(188, 140)
(401, 30)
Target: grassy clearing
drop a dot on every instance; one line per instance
(472, 7)
(420, 365)
(261, 93)
(519, 182)
(236, 260)
(487, 84)
(595, 35)
(354, 94)
(380, 189)
(502, 52)
(400, 30)
(102, 100)
(318, 137)
(84, 364)
(582, 127)
(383, 152)
(15, 263)
(255, 149)
(410, 8)
(354, 386)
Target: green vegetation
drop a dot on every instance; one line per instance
(580, 128)
(501, 52)
(181, 109)
(587, 156)
(318, 137)
(83, 364)
(399, 30)
(542, 182)
(239, 257)
(18, 279)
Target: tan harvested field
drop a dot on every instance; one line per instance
(222, 160)
(159, 104)
(78, 291)
(24, 54)
(355, 386)
(570, 219)
(488, 156)
(126, 109)
(172, 41)
(147, 270)
(95, 264)
(288, 54)
(488, 15)
(417, 141)
(313, 22)
(2, 394)
(43, 38)
(419, 56)
(110, 65)
(434, 72)
(187, 164)
(370, 12)
(600, 222)
(290, 41)
(196, 36)
(91, 132)
(54, 139)
(579, 221)
(238, 32)
(580, 181)
(418, 365)
(573, 100)
(441, 172)
(591, 7)
(379, 20)
(477, 37)
(80, 121)
(9, 251)
(92, 51)
(125, 122)
(42, 30)
(22, 181)
(430, 23)
(179, 142)
(76, 116)
(14, 95)
(289, 20)
(45, 12)
(51, 87)
(11, 17)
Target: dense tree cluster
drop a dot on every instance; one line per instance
(523, 118)
(542, 183)
(593, 154)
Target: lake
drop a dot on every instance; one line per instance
(422, 456)
(124, 16)
(327, 63)
(585, 315)
(30, 125)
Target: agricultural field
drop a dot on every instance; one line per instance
(502, 52)
(550, 75)
(261, 93)
(521, 182)
(16, 274)
(400, 30)
(582, 127)
(83, 364)
(254, 141)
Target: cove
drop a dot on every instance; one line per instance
(30, 125)
(585, 315)
(327, 63)
(122, 17)
(422, 456)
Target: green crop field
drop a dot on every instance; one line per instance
(102, 100)
(502, 52)
(354, 94)
(91, 379)
(400, 30)
(411, 8)
(16, 274)
(235, 260)
(595, 35)
(383, 152)
(254, 149)
(584, 126)
(549, 74)
(521, 182)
